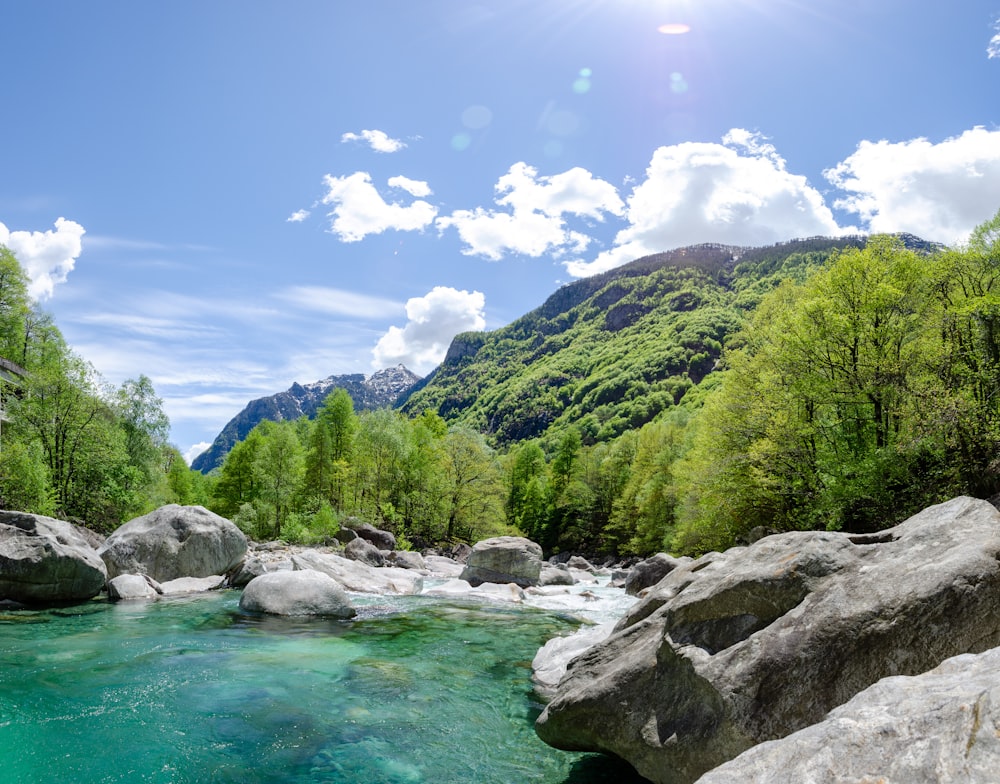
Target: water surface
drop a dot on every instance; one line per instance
(190, 690)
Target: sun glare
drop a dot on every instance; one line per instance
(674, 28)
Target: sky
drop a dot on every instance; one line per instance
(230, 196)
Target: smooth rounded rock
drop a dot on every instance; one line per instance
(175, 541)
(504, 559)
(302, 592)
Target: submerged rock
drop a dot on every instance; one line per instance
(174, 541)
(504, 559)
(753, 644)
(46, 561)
(303, 592)
(943, 725)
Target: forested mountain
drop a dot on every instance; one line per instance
(607, 354)
(381, 389)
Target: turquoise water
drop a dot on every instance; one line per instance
(190, 690)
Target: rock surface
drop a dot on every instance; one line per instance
(648, 573)
(43, 561)
(553, 575)
(185, 585)
(750, 645)
(364, 551)
(303, 592)
(359, 577)
(130, 587)
(504, 559)
(174, 541)
(383, 540)
(942, 726)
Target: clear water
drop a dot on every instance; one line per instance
(190, 690)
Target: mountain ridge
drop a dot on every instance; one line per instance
(382, 388)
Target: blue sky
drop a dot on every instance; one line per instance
(231, 196)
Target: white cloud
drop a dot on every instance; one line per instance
(338, 302)
(298, 216)
(359, 209)
(432, 321)
(993, 48)
(737, 193)
(46, 256)
(379, 141)
(534, 222)
(194, 450)
(413, 187)
(938, 191)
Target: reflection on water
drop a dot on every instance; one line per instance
(190, 690)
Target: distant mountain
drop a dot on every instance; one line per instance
(609, 353)
(383, 388)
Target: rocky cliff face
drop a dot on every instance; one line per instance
(380, 389)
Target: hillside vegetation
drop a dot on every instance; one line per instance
(608, 354)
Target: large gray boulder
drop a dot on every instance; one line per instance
(942, 726)
(504, 559)
(46, 561)
(753, 644)
(175, 541)
(304, 592)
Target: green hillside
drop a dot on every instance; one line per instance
(609, 353)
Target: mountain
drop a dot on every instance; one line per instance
(609, 353)
(383, 388)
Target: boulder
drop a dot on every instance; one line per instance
(943, 725)
(185, 585)
(553, 575)
(241, 574)
(648, 573)
(364, 551)
(46, 561)
(579, 562)
(750, 645)
(504, 559)
(175, 541)
(383, 540)
(359, 577)
(303, 592)
(407, 559)
(129, 587)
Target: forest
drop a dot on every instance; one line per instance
(836, 386)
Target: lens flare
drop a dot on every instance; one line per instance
(674, 28)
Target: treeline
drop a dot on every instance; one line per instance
(70, 445)
(301, 480)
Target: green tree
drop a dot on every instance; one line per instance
(278, 466)
(475, 487)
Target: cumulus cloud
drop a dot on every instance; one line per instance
(194, 450)
(993, 48)
(46, 256)
(413, 187)
(937, 191)
(532, 221)
(738, 192)
(298, 216)
(359, 209)
(432, 321)
(379, 141)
